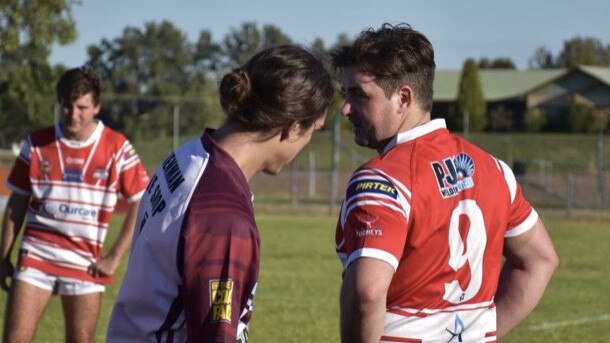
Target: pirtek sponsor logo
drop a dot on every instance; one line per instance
(375, 186)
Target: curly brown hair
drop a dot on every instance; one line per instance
(394, 55)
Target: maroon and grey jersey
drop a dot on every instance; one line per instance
(194, 262)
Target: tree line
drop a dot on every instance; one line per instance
(153, 71)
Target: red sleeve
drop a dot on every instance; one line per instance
(133, 177)
(373, 220)
(19, 178)
(221, 259)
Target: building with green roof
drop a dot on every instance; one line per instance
(510, 93)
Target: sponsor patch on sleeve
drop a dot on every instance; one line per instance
(221, 295)
(129, 153)
(372, 186)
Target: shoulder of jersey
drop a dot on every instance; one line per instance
(113, 136)
(42, 136)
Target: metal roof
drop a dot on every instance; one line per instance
(502, 84)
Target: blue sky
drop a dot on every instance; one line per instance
(457, 29)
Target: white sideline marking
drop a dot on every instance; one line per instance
(544, 326)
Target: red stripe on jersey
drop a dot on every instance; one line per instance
(55, 269)
(490, 334)
(400, 339)
(63, 242)
(406, 313)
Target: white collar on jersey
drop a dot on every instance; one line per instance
(79, 144)
(416, 132)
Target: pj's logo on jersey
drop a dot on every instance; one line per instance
(221, 298)
(453, 174)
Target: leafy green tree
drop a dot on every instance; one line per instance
(534, 120)
(484, 63)
(579, 116)
(542, 59)
(273, 36)
(207, 54)
(147, 72)
(583, 51)
(470, 98)
(503, 63)
(497, 63)
(28, 29)
(242, 43)
(576, 51)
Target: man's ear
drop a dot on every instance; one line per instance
(291, 132)
(405, 97)
(97, 109)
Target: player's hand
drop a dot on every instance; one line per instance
(104, 266)
(6, 271)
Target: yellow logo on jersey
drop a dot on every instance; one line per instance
(373, 186)
(221, 294)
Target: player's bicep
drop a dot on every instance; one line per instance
(532, 246)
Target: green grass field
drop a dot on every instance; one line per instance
(297, 297)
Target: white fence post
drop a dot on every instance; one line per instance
(569, 182)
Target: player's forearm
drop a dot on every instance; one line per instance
(12, 221)
(519, 292)
(123, 241)
(9, 234)
(361, 319)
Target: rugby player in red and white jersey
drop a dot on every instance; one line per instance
(425, 226)
(67, 179)
(193, 269)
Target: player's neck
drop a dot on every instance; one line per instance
(243, 147)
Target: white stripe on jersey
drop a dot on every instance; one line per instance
(75, 193)
(93, 233)
(135, 197)
(380, 202)
(527, 224)
(510, 180)
(374, 253)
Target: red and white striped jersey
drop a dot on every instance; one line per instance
(74, 187)
(437, 209)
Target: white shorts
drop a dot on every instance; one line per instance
(57, 284)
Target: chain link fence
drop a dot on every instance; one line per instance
(308, 190)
